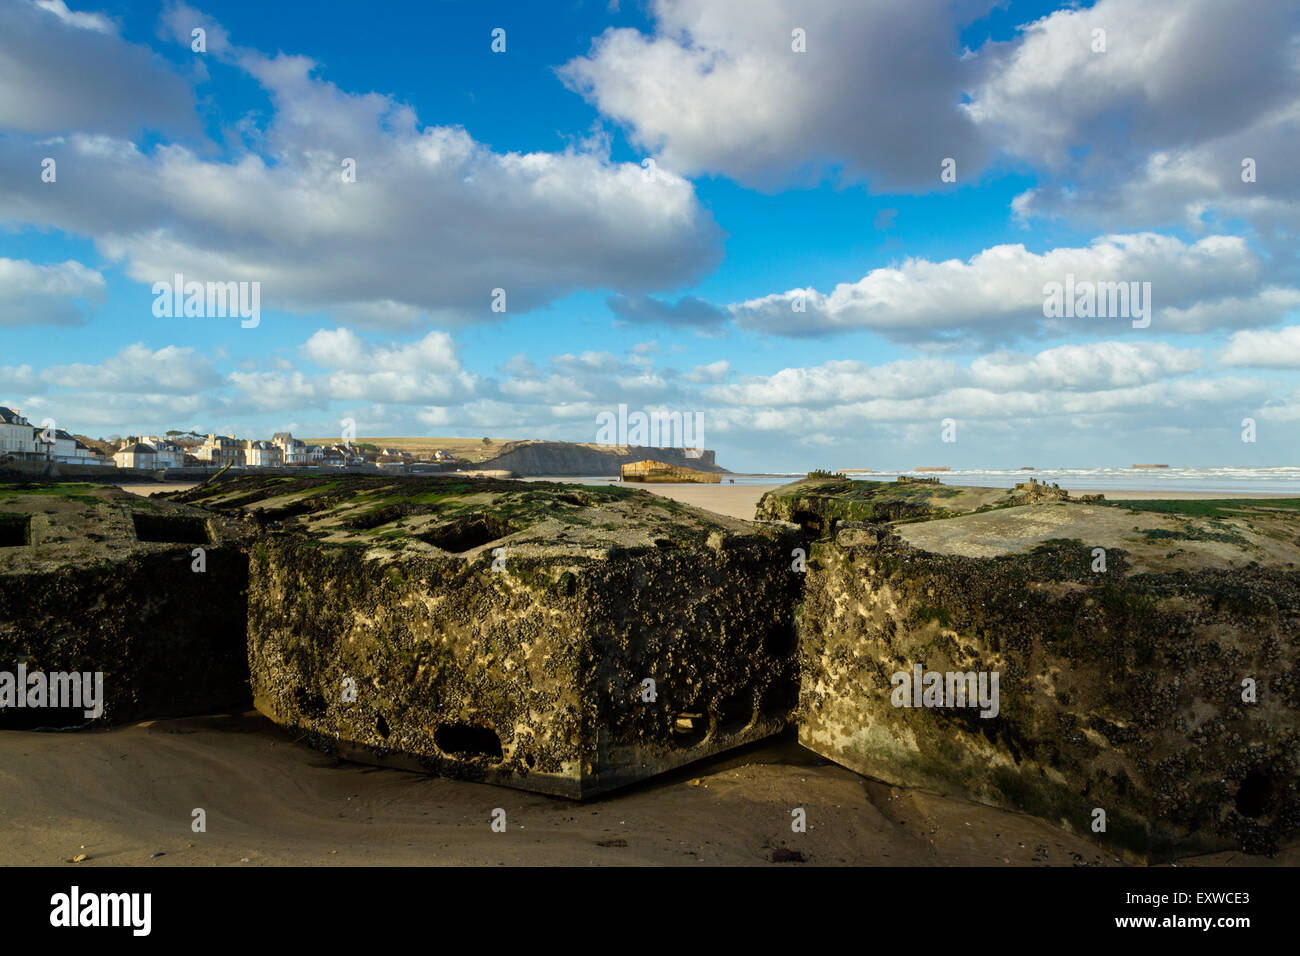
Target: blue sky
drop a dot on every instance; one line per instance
(781, 176)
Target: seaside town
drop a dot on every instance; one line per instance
(21, 441)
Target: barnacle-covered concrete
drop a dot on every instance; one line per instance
(1124, 673)
(556, 638)
(93, 579)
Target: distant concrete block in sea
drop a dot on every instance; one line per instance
(1150, 466)
(658, 471)
(933, 468)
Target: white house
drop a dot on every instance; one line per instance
(167, 453)
(17, 437)
(44, 448)
(82, 455)
(68, 450)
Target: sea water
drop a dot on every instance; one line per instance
(1279, 480)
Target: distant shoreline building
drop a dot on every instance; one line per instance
(263, 454)
(292, 450)
(16, 433)
(136, 455)
(21, 442)
(221, 450)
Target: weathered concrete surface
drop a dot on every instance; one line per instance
(80, 591)
(1120, 690)
(818, 504)
(531, 675)
(650, 470)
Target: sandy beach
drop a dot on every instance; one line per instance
(121, 796)
(735, 501)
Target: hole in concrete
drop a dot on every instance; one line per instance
(374, 518)
(381, 726)
(172, 529)
(468, 740)
(689, 728)
(530, 761)
(309, 704)
(1256, 795)
(735, 712)
(780, 697)
(15, 531)
(809, 520)
(466, 535)
(780, 642)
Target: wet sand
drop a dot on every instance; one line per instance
(119, 796)
(736, 501)
(145, 490)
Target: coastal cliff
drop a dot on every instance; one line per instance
(564, 459)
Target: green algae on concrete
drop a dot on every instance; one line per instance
(556, 638)
(93, 579)
(1120, 690)
(819, 503)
